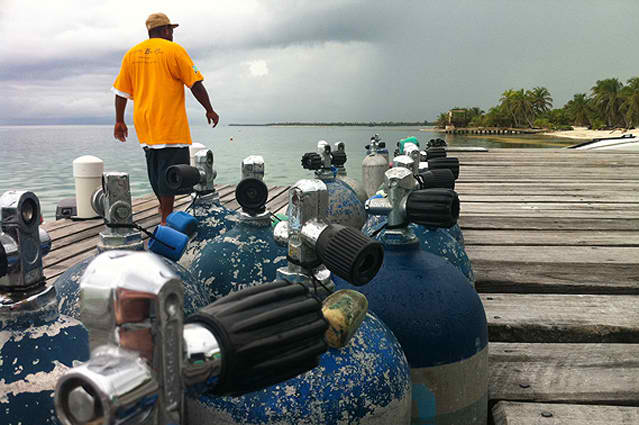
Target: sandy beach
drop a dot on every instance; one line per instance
(584, 133)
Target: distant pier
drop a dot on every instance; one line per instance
(553, 236)
(490, 130)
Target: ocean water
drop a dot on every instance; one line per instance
(40, 158)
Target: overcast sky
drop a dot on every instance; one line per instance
(330, 60)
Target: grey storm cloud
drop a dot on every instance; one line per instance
(334, 60)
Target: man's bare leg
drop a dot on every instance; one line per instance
(166, 207)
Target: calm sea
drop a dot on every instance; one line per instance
(39, 158)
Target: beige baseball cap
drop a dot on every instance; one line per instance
(158, 20)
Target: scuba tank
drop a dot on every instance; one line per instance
(37, 344)
(213, 219)
(437, 317)
(146, 354)
(364, 382)
(374, 166)
(338, 160)
(343, 205)
(247, 254)
(434, 237)
(112, 201)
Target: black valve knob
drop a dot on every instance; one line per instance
(436, 143)
(382, 144)
(432, 153)
(433, 207)
(350, 254)
(338, 158)
(436, 179)
(252, 194)
(311, 161)
(449, 163)
(268, 334)
(182, 177)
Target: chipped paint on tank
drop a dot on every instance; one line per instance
(39, 350)
(213, 220)
(68, 288)
(366, 382)
(355, 186)
(343, 206)
(437, 241)
(244, 256)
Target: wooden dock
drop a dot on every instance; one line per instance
(554, 240)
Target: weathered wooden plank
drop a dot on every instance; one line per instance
(478, 222)
(555, 254)
(562, 318)
(513, 413)
(552, 237)
(540, 208)
(556, 278)
(565, 373)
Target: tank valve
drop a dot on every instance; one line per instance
(436, 179)
(132, 304)
(251, 192)
(427, 207)
(112, 201)
(200, 179)
(21, 242)
(312, 242)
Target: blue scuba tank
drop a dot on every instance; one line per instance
(116, 192)
(247, 254)
(365, 382)
(37, 344)
(213, 219)
(344, 207)
(434, 236)
(437, 317)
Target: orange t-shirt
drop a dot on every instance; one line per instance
(153, 75)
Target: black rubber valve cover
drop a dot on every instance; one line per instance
(311, 161)
(433, 207)
(445, 163)
(338, 158)
(182, 177)
(251, 194)
(268, 334)
(432, 153)
(436, 179)
(350, 254)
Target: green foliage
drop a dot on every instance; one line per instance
(543, 123)
(610, 104)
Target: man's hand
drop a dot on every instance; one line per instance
(212, 116)
(120, 131)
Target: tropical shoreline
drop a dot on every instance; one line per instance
(583, 133)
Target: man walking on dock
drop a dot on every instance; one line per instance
(153, 75)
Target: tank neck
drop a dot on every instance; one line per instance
(400, 237)
(317, 280)
(37, 305)
(260, 220)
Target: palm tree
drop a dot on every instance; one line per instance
(630, 105)
(579, 109)
(607, 98)
(541, 100)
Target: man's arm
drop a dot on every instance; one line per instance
(202, 96)
(120, 131)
